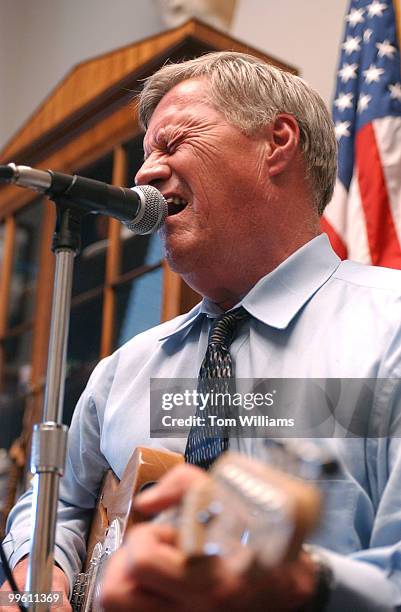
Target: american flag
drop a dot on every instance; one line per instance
(363, 219)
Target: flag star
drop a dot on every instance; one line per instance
(363, 102)
(351, 44)
(344, 101)
(376, 8)
(395, 91)
(341, 129)
(367, 34)
(347, 72)
(386, 49)
(373, 74)
(355, 16)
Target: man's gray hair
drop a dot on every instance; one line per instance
(250, 94)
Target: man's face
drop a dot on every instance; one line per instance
(212, 176)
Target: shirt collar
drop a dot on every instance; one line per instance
(279, 296)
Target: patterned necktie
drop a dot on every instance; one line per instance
(205, 443)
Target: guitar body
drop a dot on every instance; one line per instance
(115, 508)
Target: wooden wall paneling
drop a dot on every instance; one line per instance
(113, 261)
(82, 151)
(5, 281)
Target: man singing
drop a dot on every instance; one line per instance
(245, 155)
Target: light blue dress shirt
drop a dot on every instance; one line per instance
(312, 317)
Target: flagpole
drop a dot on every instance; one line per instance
(397, 10)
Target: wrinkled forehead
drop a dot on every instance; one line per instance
(184, 94)
(179, 101)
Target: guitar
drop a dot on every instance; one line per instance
(244, 509)
(114, 514)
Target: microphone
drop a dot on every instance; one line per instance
(142, 209)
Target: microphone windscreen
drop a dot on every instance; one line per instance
(153, 211)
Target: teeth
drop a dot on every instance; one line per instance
(177, 201)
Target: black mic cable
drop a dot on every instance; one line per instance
(9, 576)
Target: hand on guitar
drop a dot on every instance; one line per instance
(151, 573)
(60, 583)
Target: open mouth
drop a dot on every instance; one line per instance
(175, 205)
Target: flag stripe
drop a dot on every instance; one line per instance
(388, 140)
(383, 242)
(357, 236)
(336, 212)
(336, 242)
(397, 19)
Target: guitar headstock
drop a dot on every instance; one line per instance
(248, 508)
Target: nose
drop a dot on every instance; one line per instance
(152, 170)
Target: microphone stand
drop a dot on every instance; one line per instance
(49, 438)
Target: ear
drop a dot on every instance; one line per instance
(283, 141)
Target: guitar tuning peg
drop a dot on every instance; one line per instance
(206, 515)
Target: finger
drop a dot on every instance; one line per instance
(161, 532)
(151, 550)
(123, 584)
(135, 599)
(145, 601)
(9, 608)
(155, 564)
(170, 489)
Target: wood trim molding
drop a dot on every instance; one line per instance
(113, 260)
(6, 271)
(5, 281)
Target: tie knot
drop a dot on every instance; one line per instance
(223, 328)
